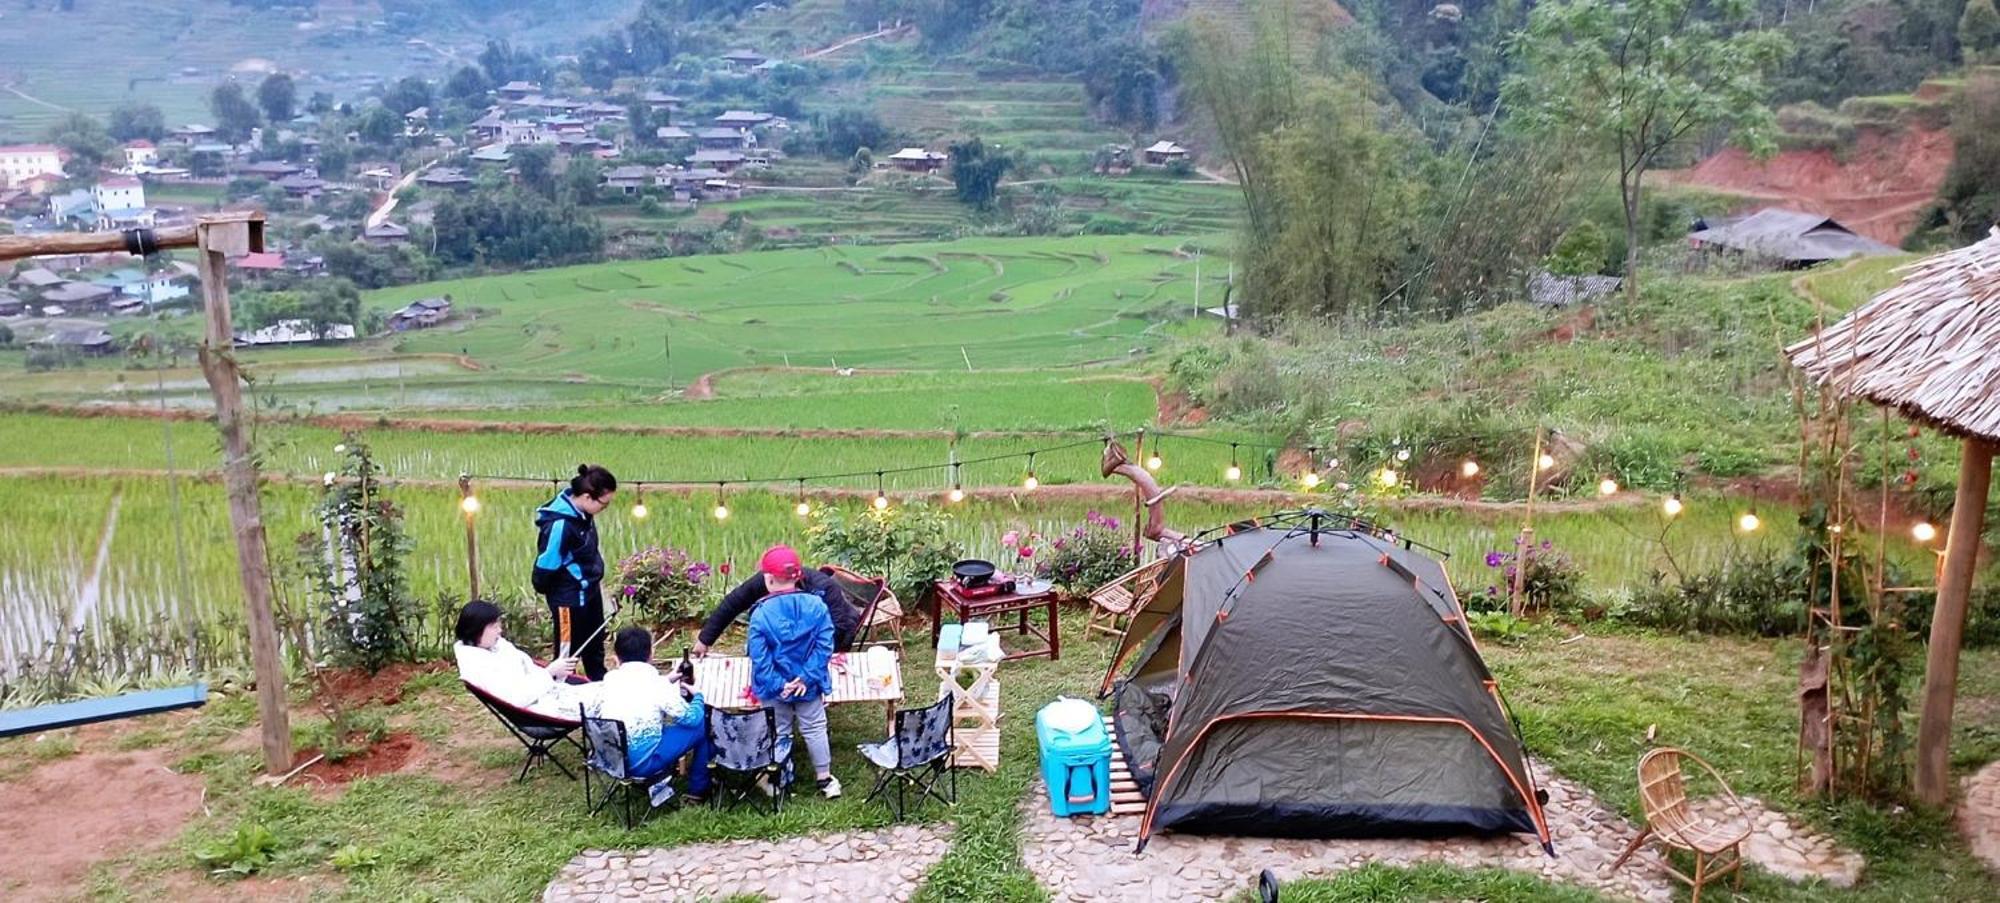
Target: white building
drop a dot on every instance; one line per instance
(139, 154)
(19, 162)
(123, 193)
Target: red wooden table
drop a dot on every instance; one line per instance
(945, 595)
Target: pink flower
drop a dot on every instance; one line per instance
(631, 590)
(726, 569)
(1010, 538)
(1027, 551)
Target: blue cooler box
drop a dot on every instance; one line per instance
(1075, 764)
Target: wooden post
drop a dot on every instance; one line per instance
(1961, 553)
(216, 240)
(468, 505)
(1518, 604)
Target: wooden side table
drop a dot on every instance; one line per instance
(944, 596)
(975, 711)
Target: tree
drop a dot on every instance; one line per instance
(536, 166)
(469, 83)
(135, 121)
(1637, 77)
(235, 115)
(842, 132)
(1968, 203)
(321, 304)
(380, 126)
(1580, 251)
(976, 172)
(408, 93)
(278, 97)
(89, 146)
(6, 336)
(1979, 32)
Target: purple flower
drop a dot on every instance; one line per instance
(1492, 590)
(631, 590)
(1517, 540)
(1493, 559)
(1111, 523)
(1546, 545)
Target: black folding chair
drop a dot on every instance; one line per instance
(918, 756)
(745, 750)
(605, 751)
(539, 733)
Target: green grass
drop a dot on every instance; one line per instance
(1375, 883)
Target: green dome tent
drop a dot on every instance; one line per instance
(1309, 675)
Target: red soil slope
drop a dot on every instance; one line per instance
(1886, 180)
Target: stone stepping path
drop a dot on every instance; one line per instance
(1092, 859)
(863, 865)
(1979, 815)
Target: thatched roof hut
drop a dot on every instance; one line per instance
(1930, 347)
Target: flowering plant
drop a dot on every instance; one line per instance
(663, 583)
(1089, 556)
(1552, 581)
(1022, 546)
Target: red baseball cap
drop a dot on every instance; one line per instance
(781, 562)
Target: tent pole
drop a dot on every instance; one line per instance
(1968, 514)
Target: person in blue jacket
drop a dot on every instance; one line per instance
(791, 644)
(569, 570)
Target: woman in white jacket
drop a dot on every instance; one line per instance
(487, 661)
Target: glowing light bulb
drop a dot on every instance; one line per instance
(340, 449)
(1469, 468)
(804, 508)
(721, 512)
(957, 494)
(1545, 462)
(329, 478)
(1030, 483)
(1672, 505)
(1748, 522)
(1607, 486)
(639, 511)
(1233, 474)
(1388, 478)
(1402, 454)
(881, 502)
(1153, 462)
(1923, 531)
(1833, 528)
(469, 504)
(1311, 479)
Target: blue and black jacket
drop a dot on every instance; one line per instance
(567, 563)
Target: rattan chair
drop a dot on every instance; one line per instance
(1112, 602)
(1715, 845)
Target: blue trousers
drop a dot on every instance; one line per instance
(676, 741)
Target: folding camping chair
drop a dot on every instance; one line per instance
(918, 755)
(606, 751)
(538, 733)
(745, 749)
(1716, 845)
(879, 607)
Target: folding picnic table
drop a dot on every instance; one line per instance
(724, 681)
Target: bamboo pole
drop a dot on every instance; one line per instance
(1518, 607)
(1968, 515)
(13, 247)
(469, 508)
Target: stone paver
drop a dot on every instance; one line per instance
(1092, 859)
(1780, 846)
(1979, 815)
(871, 865)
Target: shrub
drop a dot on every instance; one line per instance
(1497, 625)
(1553, 581)
(1761, 595)
(355, 566)
(244, 852)
(1087, 557)
(907, 544)
(663, 583)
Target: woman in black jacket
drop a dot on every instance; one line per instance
(569, 570)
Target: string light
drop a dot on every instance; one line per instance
(1545, 462)
(721, 506)
(1030, 483)
(881, 498)
(1470, 468)
(469, 504)
(329, 479)
(1749, 522)
(1233, 472)
(956, 494)
(1607, 486)
(1311, 477)
(1389, 478)
(1923, 531)
(1833, 528)
(804, 507)
(639, 509)
(1402, 454)
(1153, 461)
(1672, 506)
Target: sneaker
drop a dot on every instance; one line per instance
(830, 788)
(660, 793)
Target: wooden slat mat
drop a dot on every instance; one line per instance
(1125, 796)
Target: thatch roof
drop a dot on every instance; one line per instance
(1791, 236)
(1926, 346)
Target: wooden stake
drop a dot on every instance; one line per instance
(1519, 605)
(1961, 553)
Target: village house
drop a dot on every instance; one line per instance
(121, 193)
(719, 138)
(146, 288)
(380, 178)
(191, 135)
(724, 161)
(21, 162)
(1163, 152)
(417, 122)
(445, 177)
(74, 296)
(270, 170)
(766, 67)
(565, 125)
(34, 279)
(304, 185)
(743, 59)
(260, 264)
(494, 154)
(74, 206)
(514, 133)
(600, 111)
(628, 180)
(487, 127)
(1791, 238)
(11, 305)
(518, 90)
(583, 144)
(422, 313)
(385, 233)
(141, 154)
(743, 119)
(662, 102)
(92, 341)
(296, 332)
(210, 159)
(917, 159)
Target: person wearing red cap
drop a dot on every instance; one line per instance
(781, 571)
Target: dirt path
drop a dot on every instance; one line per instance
(17, 92)
(90, 807)
(852, 40)
(381, 213)
(88, 594)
